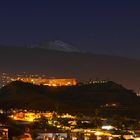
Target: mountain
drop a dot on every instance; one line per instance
(129, 51)
(80, 98)
(59, 64)
(57, 45)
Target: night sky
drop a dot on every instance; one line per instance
(100, 26)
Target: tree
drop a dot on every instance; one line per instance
(97, 121)
(41, 123)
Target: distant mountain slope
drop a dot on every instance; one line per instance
(82, 66)
(129, 51)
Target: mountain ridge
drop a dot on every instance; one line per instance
(57, 45)
(82, 66)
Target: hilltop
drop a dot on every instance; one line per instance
(80, 98)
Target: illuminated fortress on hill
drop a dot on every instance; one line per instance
(48, 82)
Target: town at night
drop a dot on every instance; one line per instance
(69, 70)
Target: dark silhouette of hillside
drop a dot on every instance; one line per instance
(80, 98)
(59, 64)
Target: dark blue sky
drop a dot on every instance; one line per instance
(102, 26)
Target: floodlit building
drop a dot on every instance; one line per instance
(48, 82)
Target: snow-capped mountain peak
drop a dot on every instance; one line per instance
(58, 46)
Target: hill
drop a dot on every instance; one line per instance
(80, 98)
(59, 64)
